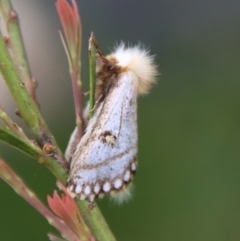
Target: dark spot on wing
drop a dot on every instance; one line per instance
(108, 138)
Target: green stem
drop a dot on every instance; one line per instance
(27, 107)
(13, 180)
(10, 125)
(10, 19)
(77, 96)
(22, 145)
(92, 73)
(32, 150)
(96, 222)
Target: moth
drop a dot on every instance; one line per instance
(105, 159)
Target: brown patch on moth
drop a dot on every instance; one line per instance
(107, 72)
(108, 138)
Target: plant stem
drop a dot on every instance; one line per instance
(32, 150)
(12, 179)
(77, 95)
(22, 145)
(27, 107)
(10, 19)
(13, 127)
(96, 222)
(92, 73)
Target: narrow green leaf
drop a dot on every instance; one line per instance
(26, 147)
(92, 73)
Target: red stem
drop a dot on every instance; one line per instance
(77, 95)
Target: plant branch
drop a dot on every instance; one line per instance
(96, 222)
(27, 107)
(10, 125)
(77, 95)
(29, 148)
(12, 179)
(26, 147)
(66, 208)
(71, 23)
(10, 20)
(92, 73)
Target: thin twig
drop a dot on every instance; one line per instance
(71, 23)
(77, 95)
(92, 73)
(13, 127)
(12, 179)
(25, 146)
(15, 44)
(27, 107)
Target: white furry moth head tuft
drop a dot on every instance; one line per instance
(105, 160)
(137, 60)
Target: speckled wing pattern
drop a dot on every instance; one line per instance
(106, 157)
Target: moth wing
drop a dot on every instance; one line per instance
(106, 156)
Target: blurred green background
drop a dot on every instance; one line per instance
(188, 182)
